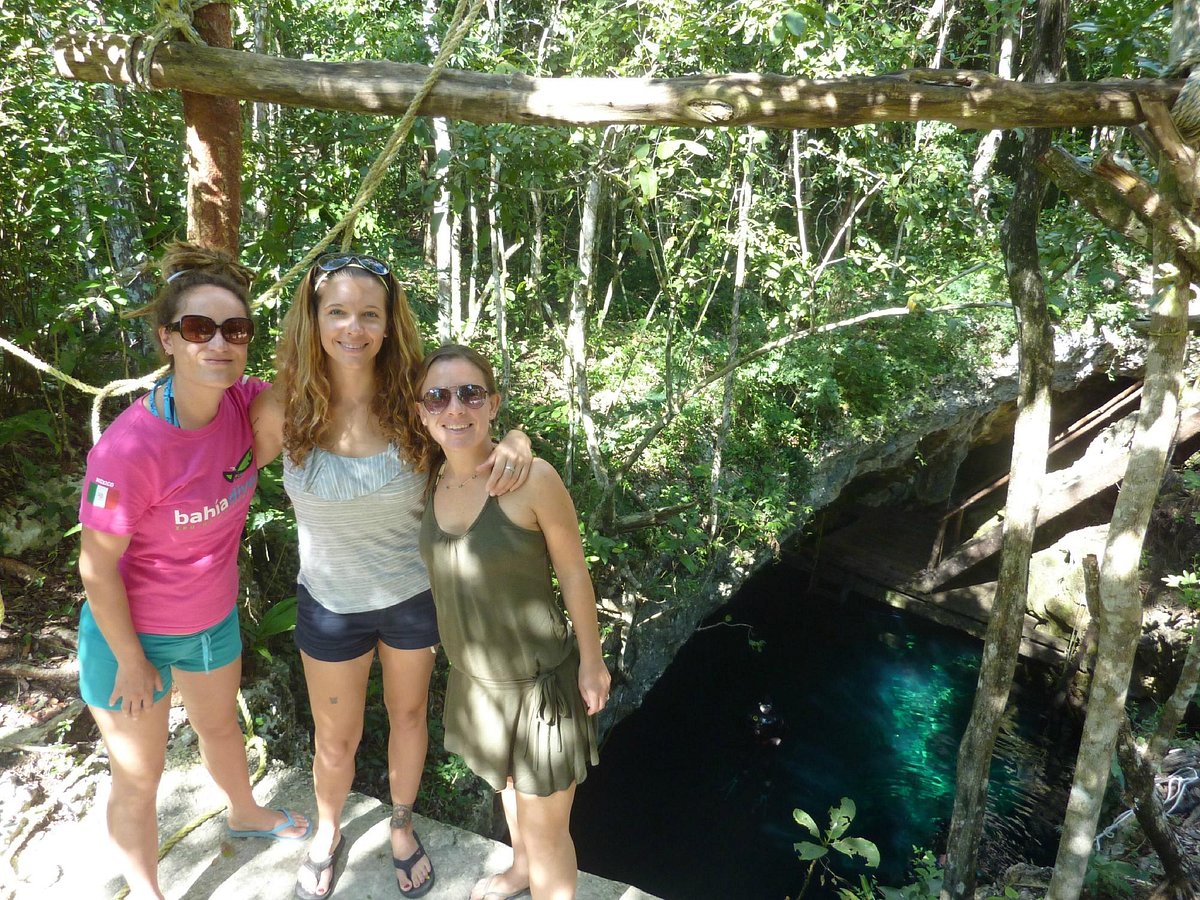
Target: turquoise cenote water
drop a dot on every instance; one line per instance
(689, 802)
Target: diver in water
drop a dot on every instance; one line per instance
(766, 725)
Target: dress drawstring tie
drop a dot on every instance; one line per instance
(547, 708)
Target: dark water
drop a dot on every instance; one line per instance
(687, 803)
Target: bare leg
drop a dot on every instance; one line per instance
(406, 693)
(516, 877)
(136, 754)
(211, 702)
(545, 831)
(337, 693)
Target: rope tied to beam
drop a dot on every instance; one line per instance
(172, 16)
(1186, 111)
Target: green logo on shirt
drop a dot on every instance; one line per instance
(242, 466)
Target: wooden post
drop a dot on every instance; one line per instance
(214, 150)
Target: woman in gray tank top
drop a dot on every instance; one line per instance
(342, 409)
(523, 688)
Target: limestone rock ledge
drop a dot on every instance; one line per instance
(72, 859)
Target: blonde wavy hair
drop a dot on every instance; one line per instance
(431, 456)
(184, 266)
(303, 372)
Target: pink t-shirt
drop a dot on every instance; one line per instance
(183, 496)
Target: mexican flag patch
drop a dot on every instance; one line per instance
(101, 495)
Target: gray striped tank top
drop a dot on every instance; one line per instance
(358, 519)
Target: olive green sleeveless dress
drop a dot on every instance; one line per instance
(513, 706)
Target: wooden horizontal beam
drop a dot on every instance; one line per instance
(963, 98)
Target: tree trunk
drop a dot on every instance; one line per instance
(474, 302)
(440, 224)
(1175, 707)
(214, 150)
(1120, 598)
(1031, 439)
(985, 153)
(745, 201)
(576, 344)
(499, 273)
(964, 98)
(798, 191)
(1142, 796)
(123, 230)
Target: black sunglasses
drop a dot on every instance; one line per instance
(202, 329)
(329, 263)
(470, 395)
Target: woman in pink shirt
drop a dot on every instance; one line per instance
(165, 499)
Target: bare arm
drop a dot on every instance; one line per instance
(137, 679)
(266, 418)
(559, 522)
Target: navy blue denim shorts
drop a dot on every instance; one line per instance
(336, 637)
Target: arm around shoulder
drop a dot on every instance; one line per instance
(266, 418)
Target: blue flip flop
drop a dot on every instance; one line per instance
(289, 821)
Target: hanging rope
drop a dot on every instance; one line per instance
(459, 26)
(112, 389)
(176, 15)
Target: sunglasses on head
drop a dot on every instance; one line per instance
(202, 329)
(436, 400)
(329, 263)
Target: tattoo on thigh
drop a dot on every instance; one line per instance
(401, 815)
(333, 701)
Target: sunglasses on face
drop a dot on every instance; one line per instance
(472, 396)
(202, 329)
(334, 262)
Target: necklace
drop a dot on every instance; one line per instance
(461, 484)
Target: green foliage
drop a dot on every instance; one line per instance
(928, 885)
(36, 421)
(280, 618)
(1110, 877)
(843, 223)
(1187, 583)
(832, 838)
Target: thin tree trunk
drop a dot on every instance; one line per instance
(499, 272)
(260, 124)
(798, 192)
(1031, 439)
(457, 307)
(1120, 599)
(576, 345)
(1142, 795)
(124, 230)
(989, 144)
(440, 219)
(473, 301)
(1177, 704)
(1120, 624)
(745, 201)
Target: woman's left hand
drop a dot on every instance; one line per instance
(594, 683)
(510, 463)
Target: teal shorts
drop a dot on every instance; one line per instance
(202, 651)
